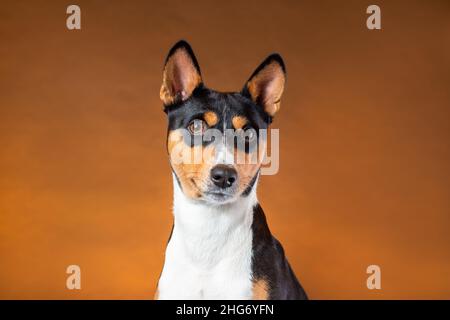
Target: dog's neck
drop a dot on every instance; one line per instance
(208, 232)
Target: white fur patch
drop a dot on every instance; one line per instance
(210, 251)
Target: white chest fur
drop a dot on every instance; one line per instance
(210, 251)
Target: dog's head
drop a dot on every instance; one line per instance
(215, 139)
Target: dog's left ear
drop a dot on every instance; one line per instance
(181, 74)
(266, 84)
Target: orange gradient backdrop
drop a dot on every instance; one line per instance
(364, 127)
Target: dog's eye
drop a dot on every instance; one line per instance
(250, 135)
(197, 126)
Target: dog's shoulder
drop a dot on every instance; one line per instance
(272, 274)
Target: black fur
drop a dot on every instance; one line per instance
(270, 264)
(229, 104)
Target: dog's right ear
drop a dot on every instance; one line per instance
(266, 84)
(181, 74)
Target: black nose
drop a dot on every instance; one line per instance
(223, 176)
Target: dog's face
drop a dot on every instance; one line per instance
(216, 140)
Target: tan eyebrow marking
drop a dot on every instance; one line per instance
(210, 118)
(239, 122)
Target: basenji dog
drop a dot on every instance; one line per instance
(220, 246)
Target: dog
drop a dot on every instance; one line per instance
(220, 246)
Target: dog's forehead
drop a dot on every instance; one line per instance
(228, 109)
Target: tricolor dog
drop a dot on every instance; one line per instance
(220, 246)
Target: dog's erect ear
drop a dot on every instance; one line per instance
(181, 74)
(266, 84)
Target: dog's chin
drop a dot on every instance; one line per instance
(218, 197)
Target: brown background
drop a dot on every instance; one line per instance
(365, 151)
